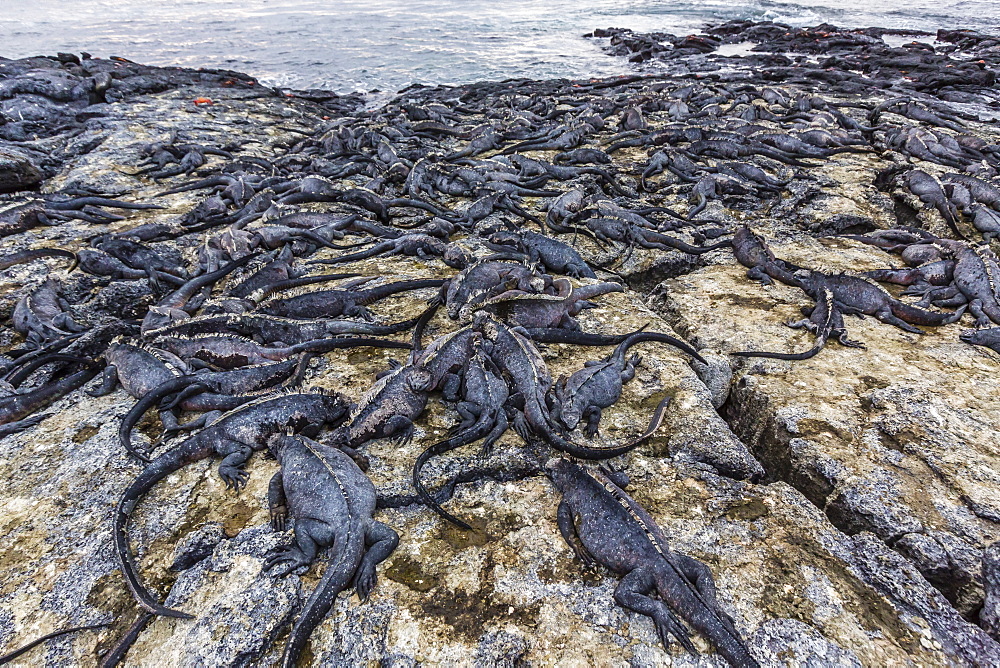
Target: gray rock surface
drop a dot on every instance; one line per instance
(847, 505)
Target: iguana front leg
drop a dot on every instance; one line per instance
(109, 380)
(231, 467)
(628, 373)
(400, 429)
(593, 417)
(381, 541)
(567, 527)
(277, 504)
(633, 593)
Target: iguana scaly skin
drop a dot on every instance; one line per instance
(602, 524)
(333, 505)
(599, 384)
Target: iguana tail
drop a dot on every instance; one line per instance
(10, 656)
(191, 450)
(12, 259)
(22, 374)
(372, 251)
(150, 399)
(337, 342)
(372, 295)
(640, 337)
(260, 295)
(563, 335)
(477, 431)
(919, 316)
(538, 421)
(822, 335)
(344, 560)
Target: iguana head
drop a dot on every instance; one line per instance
(563, 472)
(335, 408)
(420, 380)
(456, 257)
(570, 414)
(277, 442)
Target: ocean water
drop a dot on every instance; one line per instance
(389, 44)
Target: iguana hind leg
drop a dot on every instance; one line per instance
(633, 593)
(700, 576)
(381, 541)
(499, 430)
(567, 527)
(310, 536)
(889, 319)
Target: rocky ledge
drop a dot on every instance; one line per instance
(846, 503)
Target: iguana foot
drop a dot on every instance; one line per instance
(284, 559)
(364, 581)
(279, 518)
(234, 477)
(667, 625)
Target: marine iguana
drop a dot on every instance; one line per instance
(138, 256)
(421, 246)
(334, 303)
(553, 254)
(229, 351)
(854, 295)
(333, 505)
(277, 331)
(752, 252)
(602, 524)
(204, 391)
(598, 385)
(524, 369)
(388, 409)
(234, 437)
(989, 338)
(928, 190)
(824, 319)
(976, 282)
(42, 316)
(486, 278)
(921, 277)
(482, 406)
(548, 311)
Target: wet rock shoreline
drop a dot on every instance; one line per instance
(845, 504)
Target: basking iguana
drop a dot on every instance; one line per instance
(604, 525)
(333, 504)
(233, 437)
